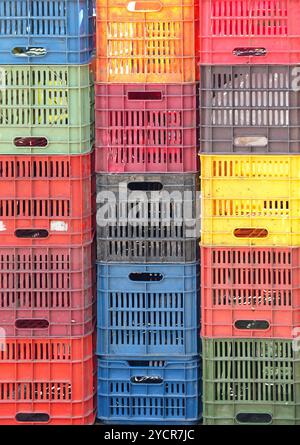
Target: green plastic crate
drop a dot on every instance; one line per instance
(53, 103)
(251, 381)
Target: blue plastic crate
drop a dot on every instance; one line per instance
(149, 310)
(46, 31)
(149, 391)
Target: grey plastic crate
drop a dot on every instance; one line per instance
(250, 109)
(165, 228)
(146, 251)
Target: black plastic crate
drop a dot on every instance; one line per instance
(164, 228)
(250, 109)
(129, 250)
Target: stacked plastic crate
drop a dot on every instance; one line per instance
(46, 226)
(148, 272)
(250, 228)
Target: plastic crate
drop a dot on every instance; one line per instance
(145, 251)
(250, 200)
(46, 200)
(159, 211)
(252, 381)
(250, 292)
(143, 391)
(150, 310)
(47, 292)
(142, 41)
(146, 128)
(47, 382)
(249, 31)
(46, 31)
(250, 109)
(46, 109)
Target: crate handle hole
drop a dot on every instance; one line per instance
(29, 51)
(145, 186)
(252, 324)
(31, 142)
(144, 6)
(36, 323)
(32, 417)
(31, 233)
(250, 233)
(254, 418)
(146, 363)
(145, 276)
(248, 51)
(146, 380)
(144, 95)
(251, 141)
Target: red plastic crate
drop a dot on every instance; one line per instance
(249, 31)
(146, 128)
(46, 200)
(250, 292)
(47, 381)
(47, 292)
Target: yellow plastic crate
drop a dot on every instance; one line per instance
(250, 200)
(147, 41)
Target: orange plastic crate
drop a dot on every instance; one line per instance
(147, 41)
(47, 381)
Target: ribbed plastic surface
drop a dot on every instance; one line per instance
(249, 31)
(249, 109)
(250, 382)
(47, 292)
(147, 128)
(141, 41)
(46, 200)
(150, 310)
(145, 251)
(47, 382)
(145, 391)
(250, 292)
(250, 200)
(46, 109)
(159, 211)
(46, 31)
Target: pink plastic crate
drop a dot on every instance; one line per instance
(146, 128)
(47, 292)
(249, 31)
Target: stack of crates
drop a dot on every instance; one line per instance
(250, 169)
(146, 99)
(46, 215)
